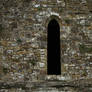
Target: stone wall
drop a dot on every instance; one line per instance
(23, 39)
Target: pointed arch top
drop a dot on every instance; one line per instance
(55, 24)
(53, 48)
(53, 17)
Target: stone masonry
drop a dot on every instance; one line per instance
(23, 45)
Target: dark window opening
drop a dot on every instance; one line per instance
(53, 48)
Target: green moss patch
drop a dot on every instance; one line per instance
(1, 28)
(68, 21)
(33, 62)
(19, 41)
(5, 70)
(84, 49)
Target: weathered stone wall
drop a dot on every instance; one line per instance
(23, 39)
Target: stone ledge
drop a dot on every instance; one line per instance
(57, 84)
(60, 84)
(8, 85)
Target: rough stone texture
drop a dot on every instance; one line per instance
(23, 44)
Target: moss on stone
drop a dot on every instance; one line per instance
(32, 61)
(19, 41)
(84, 49)
(68, 21)
(5, 70)
(39, 8)
(1, 28)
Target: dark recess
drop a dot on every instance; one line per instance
(53, 51)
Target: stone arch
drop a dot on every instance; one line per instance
(51, 18)
(53, 47)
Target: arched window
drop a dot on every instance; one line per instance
(53, 48)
